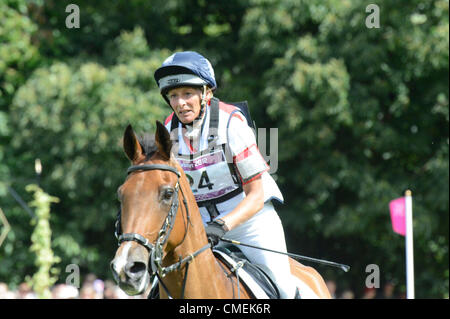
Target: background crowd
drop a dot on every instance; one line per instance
(388, 290)
(96, 288)
(92, 287)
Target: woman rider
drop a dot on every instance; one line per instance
(229, 178)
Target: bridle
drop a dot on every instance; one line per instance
(156, 250)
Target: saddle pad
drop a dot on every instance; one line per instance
(256, 278)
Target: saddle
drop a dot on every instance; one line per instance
(257, 278)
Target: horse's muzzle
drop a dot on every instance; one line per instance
(130, 270)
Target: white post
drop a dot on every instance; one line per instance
(409, 247)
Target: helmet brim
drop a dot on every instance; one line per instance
(170, 70)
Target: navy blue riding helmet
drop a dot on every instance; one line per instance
(190, 68)
(186, 68)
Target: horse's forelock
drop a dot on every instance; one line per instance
(148, 145)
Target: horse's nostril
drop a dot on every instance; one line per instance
(135, 269)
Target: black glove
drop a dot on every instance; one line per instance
(215, 230)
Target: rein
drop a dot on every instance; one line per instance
(156, 250)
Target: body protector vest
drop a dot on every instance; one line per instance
(215, 173)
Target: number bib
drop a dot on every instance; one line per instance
(209, 175)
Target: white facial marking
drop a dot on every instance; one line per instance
(121, 260)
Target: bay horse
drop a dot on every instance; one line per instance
(163, 232)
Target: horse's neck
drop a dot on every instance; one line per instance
(205, 278)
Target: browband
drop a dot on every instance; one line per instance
(153, 167)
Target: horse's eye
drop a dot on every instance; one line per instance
(168, 193)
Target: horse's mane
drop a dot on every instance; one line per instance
(148, 145)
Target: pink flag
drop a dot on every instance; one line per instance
(398, 215)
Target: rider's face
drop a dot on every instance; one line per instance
(186, 102)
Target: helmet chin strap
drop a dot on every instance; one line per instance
(194, 128)
(203, 103)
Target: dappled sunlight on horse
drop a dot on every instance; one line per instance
(162, 232)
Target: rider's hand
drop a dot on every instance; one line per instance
(215, 230)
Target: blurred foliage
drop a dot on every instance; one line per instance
(72, 116)
(361, 125)
(46, 275)
(18, 58)
(362, 115)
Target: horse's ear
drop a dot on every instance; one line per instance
(131, 145)
(162, 138)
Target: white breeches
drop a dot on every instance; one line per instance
(265, 230)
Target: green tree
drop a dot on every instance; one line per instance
(72, 116)
(18, 57)
(362, 116)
